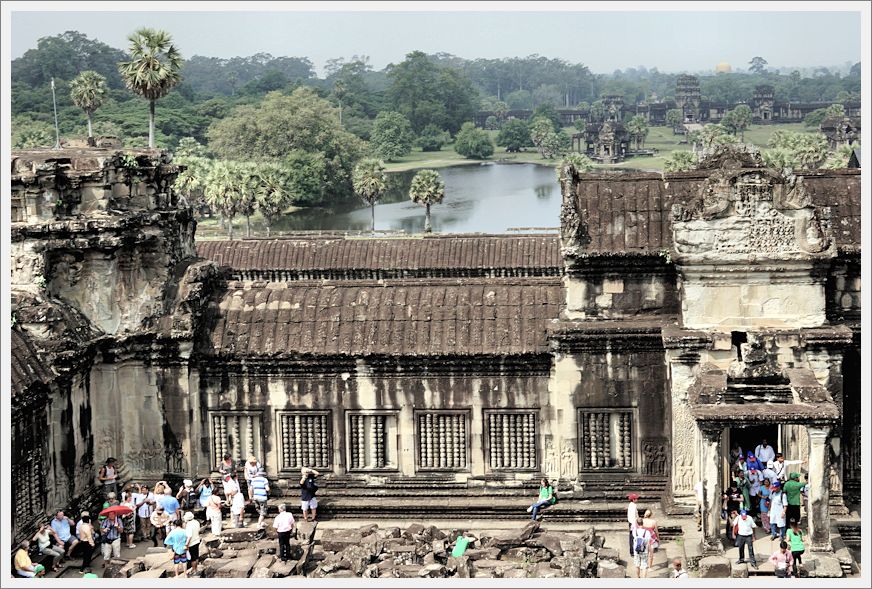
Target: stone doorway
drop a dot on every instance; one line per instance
(748, 438)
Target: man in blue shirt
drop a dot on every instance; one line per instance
(170, 504)
(61, 525)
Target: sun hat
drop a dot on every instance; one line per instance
(743, 512)
(794, 475)
(188, 482)
(189, 515)
(632, 496)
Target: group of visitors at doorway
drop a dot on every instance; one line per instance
(761, 489)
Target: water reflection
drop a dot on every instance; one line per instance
(490, 198)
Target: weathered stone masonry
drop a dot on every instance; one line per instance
(445, 367)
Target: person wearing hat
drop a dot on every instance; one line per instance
(755, 478)
(793, 491)
(187, 497)
(745, 537)
(259, 486)
(777, 511)
(632, 516)
(192, 532)
(752, 462)
(160, 519)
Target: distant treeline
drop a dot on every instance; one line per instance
(212, 87)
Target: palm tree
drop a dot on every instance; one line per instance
(153, 69)
(427, 189)
(370, 182)
(191, 182)
(222, 193)
(273, 193)
(88, 90)
(247, 180)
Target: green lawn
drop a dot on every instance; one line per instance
(660, 138)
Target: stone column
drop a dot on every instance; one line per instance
(710, 467)
(684, 430)
(819, 488)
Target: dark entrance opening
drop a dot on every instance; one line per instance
(749, 438)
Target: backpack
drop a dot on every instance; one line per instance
(553, 497)
(641, 544)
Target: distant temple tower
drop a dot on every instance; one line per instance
(763, 103)
(687, 97)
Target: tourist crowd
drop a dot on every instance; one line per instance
(165, 517)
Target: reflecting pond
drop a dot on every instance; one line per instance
(487, 198)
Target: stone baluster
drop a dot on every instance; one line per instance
(325, 441)
(626, 441)
(379, 441)
(426, 441)
(461, 420)
(249, 435)
(286, 443)
(298, 440)
(236, 441)
(309, 448)
(493, 440)
(528, 440)
(819, 488)
(361, 442)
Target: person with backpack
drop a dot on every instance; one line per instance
(308, 488)
(546, 494)
(632, 516)
(641, 547)
(797, 547)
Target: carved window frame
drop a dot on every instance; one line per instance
(280, 436)
(634, 440)
(467, 416)
(257, 437)
(393, 444)
(486, 413)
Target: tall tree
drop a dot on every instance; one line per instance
(427, 189)
(742, 117)
(758, 65)
(153, 70)
(674, 117)
(88, 91)
(370, 183)
(391, 136)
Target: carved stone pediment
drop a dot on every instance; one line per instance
(748, 214)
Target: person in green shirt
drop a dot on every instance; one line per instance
(546, 498)
(797, 548)
(793, 491)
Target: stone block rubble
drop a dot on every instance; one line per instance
(418, 551)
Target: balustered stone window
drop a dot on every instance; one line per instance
(372, 441)
(237, 433)
(307, 438)
(606, 439)
(442, 440)
(28, 471)
(510, 438)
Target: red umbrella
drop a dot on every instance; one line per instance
(117, 510)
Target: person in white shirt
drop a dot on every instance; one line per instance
(144, 501)
(755, 477)
(678, 571)
(778, 466)
(764, 452)
(192, 531)
(632, 516)
(745, 537)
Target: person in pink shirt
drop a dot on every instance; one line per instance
(284, 525)
(782, 560)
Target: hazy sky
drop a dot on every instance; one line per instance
(604, 41)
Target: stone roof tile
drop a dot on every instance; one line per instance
(462, 317)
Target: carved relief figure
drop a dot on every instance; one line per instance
(550, 459)
(567, 461)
